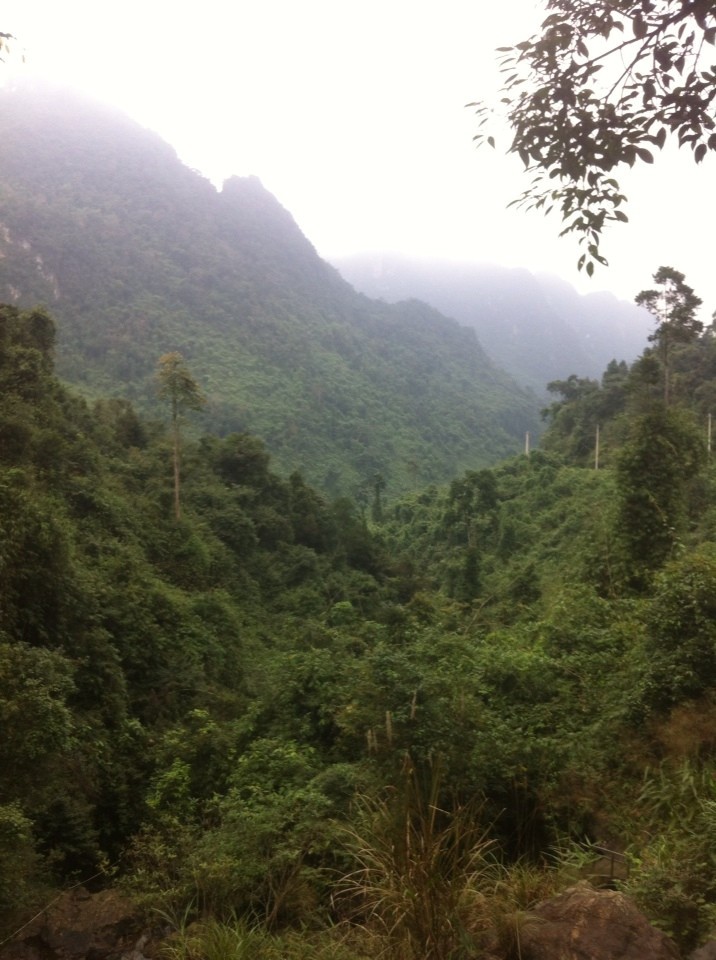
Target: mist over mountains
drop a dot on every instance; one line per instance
(136, 255)
(395, 716)
(537, 327)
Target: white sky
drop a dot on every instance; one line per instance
(352, 114)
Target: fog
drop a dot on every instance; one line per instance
(354, 116)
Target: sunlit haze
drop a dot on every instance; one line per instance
(353, 116)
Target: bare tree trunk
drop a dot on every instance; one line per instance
(175, 436)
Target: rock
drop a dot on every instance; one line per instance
(587, 924)
(707, 952)
(83, 926)
(580, 924)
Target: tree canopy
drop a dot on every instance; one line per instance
(176, 384)
(264, 712)
(283, 345)
(674, 307)
(601, 85)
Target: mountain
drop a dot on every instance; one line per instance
(538, 328)
(136, 255)
(286, 731)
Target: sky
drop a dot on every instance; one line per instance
(353, 115)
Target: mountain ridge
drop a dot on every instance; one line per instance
(137, 255)
(535, 326)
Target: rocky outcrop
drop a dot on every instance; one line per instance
(706, 952)
(580, 924)
(83, 926)
(587, 924)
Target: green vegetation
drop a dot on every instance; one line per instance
(176, 384)
(138, 256)
(299, 726)
(601, 85)
(537, 327)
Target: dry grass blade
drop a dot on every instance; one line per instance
(424, 871)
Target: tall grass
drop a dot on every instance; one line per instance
(425, 871)
(237, 940)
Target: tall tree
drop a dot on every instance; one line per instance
(674, 307)
(599, 85)
(663, 454)
(176, 384)
(378, 487)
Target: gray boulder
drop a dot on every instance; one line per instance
(587, 924)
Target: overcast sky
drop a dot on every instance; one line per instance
(353, 115)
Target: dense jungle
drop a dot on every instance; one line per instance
(339, 716)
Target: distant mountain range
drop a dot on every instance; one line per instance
(136, 255)
(538, 328)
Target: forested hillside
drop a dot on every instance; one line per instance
(536, 327)
(137, 256)
(320, 730)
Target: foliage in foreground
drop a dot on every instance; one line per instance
(601, 85)
(222, 709)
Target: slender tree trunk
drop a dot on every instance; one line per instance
(596, 449)
(178, 387)
(175, 437)
(708, 437)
